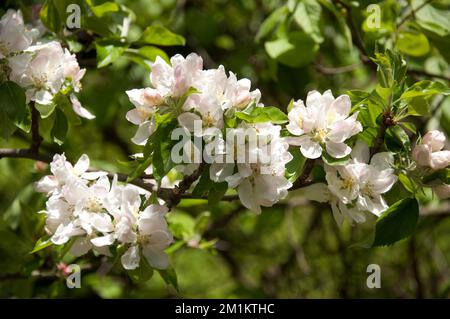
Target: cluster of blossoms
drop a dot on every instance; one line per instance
(206, 97)
(429, 155)
(356, 187)
(96, 213)
(43, 68)
(324, 123)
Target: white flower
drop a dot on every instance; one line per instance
(44, 75)
(237, 93)
(72, 70)
(363, 182)
(43, 69)
(260, 181)
(14, 36)
(323, 123)
(175, 79)
(146, 102)
(357, 186)
(153, 238)
(429, 153)
(320, 192)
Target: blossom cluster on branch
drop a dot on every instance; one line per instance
(41, 66)
(350, 151)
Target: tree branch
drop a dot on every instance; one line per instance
(36, 139)
(307, 169)
(177, 193)
(413, 12)
(385, 124)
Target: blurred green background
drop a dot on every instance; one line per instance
(292, 250)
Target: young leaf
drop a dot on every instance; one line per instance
(49, 16)
(425, 88)
(170, 277)
(398, 222)
(42, 243)
(263, 114)
(307, 15)
(159, 35)
(60, 127)
(142, 273)
(12, 107)
(107, 52)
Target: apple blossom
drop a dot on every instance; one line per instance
(429, 153)
(14, 35)
(323, 123)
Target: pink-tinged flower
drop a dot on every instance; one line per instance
(429, 153)
(14, 36)
(324, 123)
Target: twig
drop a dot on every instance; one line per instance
(24, 153)
(36, 139)
(336, 70)
(307, 169)
(413, 12)
(430, 75)
(385, 123)
(177, 193)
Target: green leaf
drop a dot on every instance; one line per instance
(397, 223)
(418, 106)
(139, 170)
(45, 109)
(60, 127)
(13, 109)
(42, 243)
(296, 49)
(162, 146)
(49, 16)
(204, 184)
(108, 52)
(441, 176)
(295, 166)
(413, 43)
(425, 88)
(170, 277)
(151, 52)
(433, 19)
(396, 139)
(104, 8)
(307, 15)
(271, 22)
(263, 114)
(142, 273)
(335, 161)
(216, 193)
(159, 35)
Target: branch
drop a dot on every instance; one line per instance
(413, 12)
(24, 153)
(336, 70)
(177, 193)
(307, 169)
(385, 123)
(36, 139)
(430, 75)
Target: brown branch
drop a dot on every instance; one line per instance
(336, 70)
(413, 12)
(430, 75)
(24, 153)
(36, 139)
(386, 122)
(307, 169)
(175, 196)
